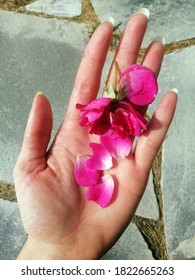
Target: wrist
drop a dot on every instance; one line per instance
(36, 250)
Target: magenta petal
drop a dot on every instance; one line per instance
(101, 158)
(102, 192)
(140, 84)
(92, 111)
(84, 175)
(95, 104)
(138, 121)
(119, 145)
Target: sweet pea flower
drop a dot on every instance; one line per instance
(115, 116)
(89, 172)
(140, 84)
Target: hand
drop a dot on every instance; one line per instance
(59, 221)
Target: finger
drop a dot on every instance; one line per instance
(38, 130)
(154, 55)
(87, 81)
(151, 140)
(130, 42)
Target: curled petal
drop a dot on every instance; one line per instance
(92, 111)
(102, 192)
(140, 84)
(101, 158)
(84, 175)
(118, 144)
(138, 121)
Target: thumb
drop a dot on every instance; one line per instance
(38, 131)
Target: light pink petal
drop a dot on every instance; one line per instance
(101, 158)
(140, 84)
(119, 145)
(102, 192)
(84, 175)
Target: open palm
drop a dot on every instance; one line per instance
(60, 222)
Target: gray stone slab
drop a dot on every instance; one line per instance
(131, 246)
(36, 54)
(66, 8)
(172, 19)
(12, 234)
(148, 207)
(178, 177)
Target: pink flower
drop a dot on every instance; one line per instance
(89, 172)
(140, 84)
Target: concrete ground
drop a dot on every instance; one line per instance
(43, 53)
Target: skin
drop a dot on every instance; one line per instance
(60, 222)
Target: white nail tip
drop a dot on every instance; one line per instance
(159, 39)
(110, 19)
(144, 11)
(175, 90)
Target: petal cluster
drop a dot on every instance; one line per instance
(89, 172)
(116, 118)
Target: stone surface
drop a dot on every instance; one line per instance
(178, 179)
(148, 207)
(66, 8)
(36, 54)
(131, 246)
(12, 234)
(172, 19)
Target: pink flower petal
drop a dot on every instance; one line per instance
(140, 84)
(95, 104)
(102, 192)
(101, 158)
(95, 116)
(119, 145)
(140, 120)
(84, 175)
(92, 111)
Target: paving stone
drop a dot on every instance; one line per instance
(172, 19)
(148, 207)
(178, 178)
(131, 246)
(12, 234)
(36, 54)
(66, 8)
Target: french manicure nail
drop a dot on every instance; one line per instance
(175, 90)
(159, 39)
(110, 19)
(40, 93)
(144, 11)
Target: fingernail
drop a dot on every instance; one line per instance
(144, 11)
(175, 90)
(40, 93)
(159, 39)
(110, 19)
